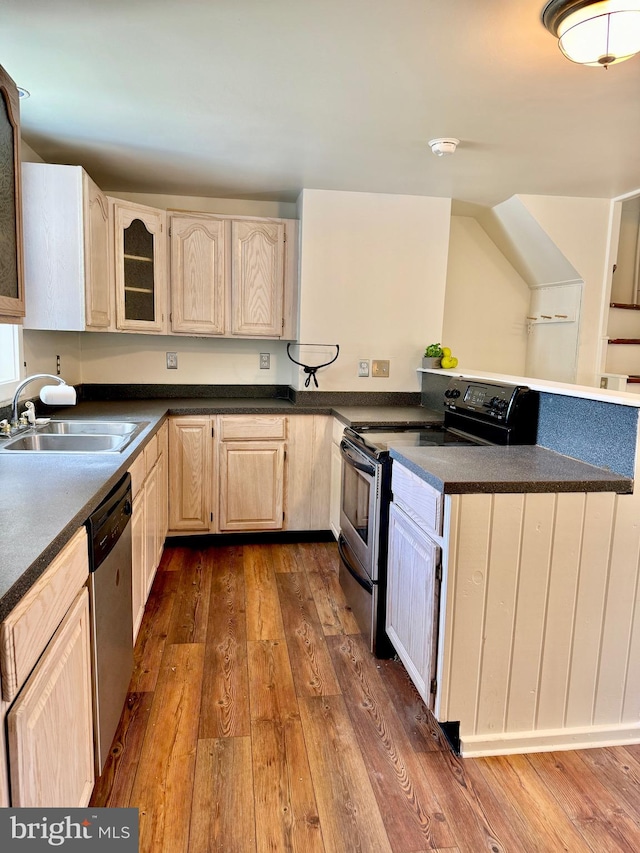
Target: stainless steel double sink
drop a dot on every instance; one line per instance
(76, 437)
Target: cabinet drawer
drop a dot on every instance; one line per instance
(163, 439)
(138, 472)
(26, 631)
(240, 427)
(421, 501)
(151, 453)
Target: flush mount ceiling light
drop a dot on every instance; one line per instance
(22, 93)
(595, 32)
(444, 145)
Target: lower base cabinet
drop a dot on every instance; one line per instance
(231, 473)
(251, 485)
(50, 725)
(149, 520)
(413, 600)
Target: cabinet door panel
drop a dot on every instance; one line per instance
(197, 275)
(138, 562)
(98, 290)
(190, 446)
(51, 725)
(152, 523)
(11, 271)
(251, 485)
(140, 266)
(257, 278)
(412, 599)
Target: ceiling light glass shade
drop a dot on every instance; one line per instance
(595, 33)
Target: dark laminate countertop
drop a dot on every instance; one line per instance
(469, 470)
(46, 498)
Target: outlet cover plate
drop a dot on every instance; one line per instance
(363, 367)
(265, 361)
(172, 361)
(380, 367)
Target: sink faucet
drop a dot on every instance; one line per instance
(20, 388)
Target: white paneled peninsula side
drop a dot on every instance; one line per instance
(538, 624)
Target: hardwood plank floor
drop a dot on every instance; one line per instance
(258, 722)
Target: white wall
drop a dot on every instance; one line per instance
(41, 348)
(580, 229)
(373, 277)
(125, 358)
(486, 303)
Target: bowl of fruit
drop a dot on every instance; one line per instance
(436, 356)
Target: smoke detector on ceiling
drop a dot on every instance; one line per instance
(444, 145)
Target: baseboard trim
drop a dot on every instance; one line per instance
(212, 540)
(548, 740)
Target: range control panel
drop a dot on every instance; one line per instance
(487, 400)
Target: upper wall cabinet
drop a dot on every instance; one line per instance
(67, 257)
(233, 277)
(198, 275)
(11, 278)
(139, 237)
(257, 269)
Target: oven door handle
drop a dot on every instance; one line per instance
(355, 461)
(365, 584)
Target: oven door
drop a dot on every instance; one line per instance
(359, 508)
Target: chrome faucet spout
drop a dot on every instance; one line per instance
(23, 385)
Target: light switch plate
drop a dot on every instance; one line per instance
(380, 367)
(363, 367)
(172, 361)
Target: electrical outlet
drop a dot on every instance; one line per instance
(172, 361)
(265, 361)
(363, 367)
(380, 367)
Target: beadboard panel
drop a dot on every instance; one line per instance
(619, 615)
(537, 628)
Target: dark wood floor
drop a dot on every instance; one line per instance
(258, 721)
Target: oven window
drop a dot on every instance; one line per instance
(356, 489)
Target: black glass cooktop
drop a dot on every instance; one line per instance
(436, 436)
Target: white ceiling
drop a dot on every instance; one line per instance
(260, 98)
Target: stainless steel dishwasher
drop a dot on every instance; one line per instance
(109, 531)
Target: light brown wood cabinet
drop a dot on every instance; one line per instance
(233, 277)
(248, 472)
(308, 472)
(139, 253)
(251, 485)
(11, 270)
(67, 251)
(149, 488)
(257, 278)
(198, 275)
(50, 725)
(335, 495)
(47, 696)
(190, 474)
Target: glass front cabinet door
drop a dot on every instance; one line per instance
(140, 267)
(11, 270)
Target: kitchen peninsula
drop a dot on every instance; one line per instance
(539, 624)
